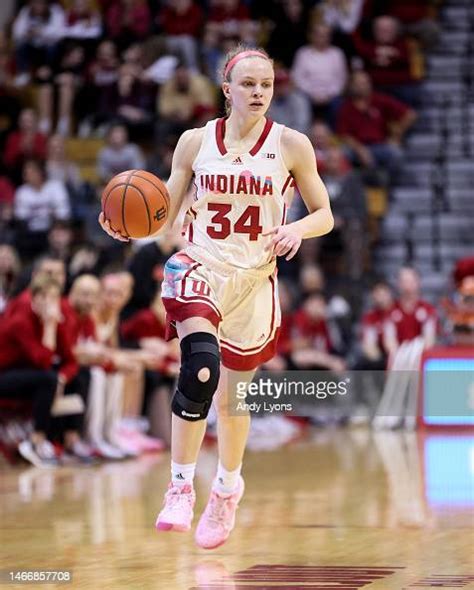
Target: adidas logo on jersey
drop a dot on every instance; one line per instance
(237, 160)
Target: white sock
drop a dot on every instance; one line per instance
(182, 474)
(226, 481)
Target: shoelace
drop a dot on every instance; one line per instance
(219, 508)
(176, 496)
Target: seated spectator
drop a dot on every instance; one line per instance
(289, 106)
(118, 154)
(130, 101)
(320, 71)
(82, 300)
(387, 60)
(53, 268)
(37, 29)
(30, 342)
(63, 79)
(127, 21)
(100, 77)
(60, 168)
(373, 125)
(106, 391)
(410, 317)
(61, 241)
(460, 314)
(26, 142)
(181, 22)
(341, 15)
(82, 21)
(348, 203)
(9, 271)
(417, 18)
(323, 140)
(339, 314)
(313, 347)
(230, 15)
(147, 329)
(183, 99)
(37, 203)
(373, 351)
(288, 21)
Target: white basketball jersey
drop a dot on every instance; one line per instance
(238, 196)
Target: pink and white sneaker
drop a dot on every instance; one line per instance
(177, 513)
(218, 519)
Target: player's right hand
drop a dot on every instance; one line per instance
(105, 225)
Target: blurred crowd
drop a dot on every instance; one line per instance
(82, 327)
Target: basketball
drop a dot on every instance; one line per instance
(136, 203)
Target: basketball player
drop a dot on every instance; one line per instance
(220, 293)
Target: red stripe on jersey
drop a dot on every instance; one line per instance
(220, 134)
(287, 182)
(262, 138)
(190, 236)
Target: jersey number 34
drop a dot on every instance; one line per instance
(247, 223)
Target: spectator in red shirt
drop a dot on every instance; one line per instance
(29, 344)
(373, 125)
(128, 21)
(313, 346)
(387, 59)
(24, 143)
(231, 15)
(417, 18)
(411, 316)
(374, 354)
(48, 266)
(181, 21)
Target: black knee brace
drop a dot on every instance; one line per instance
(193, 397)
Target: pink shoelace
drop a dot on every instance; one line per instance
(176, 495)
(219, 509)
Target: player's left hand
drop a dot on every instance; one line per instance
(286, 240)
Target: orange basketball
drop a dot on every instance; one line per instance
(136, 203)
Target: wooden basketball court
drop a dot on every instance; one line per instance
(346, 509)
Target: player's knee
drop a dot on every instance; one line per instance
(198, 377)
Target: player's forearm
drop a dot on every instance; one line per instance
(315, 224)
